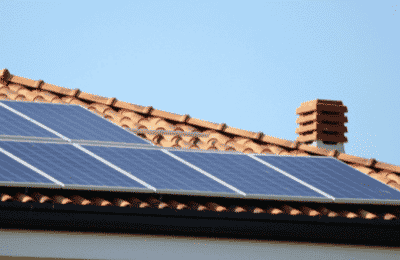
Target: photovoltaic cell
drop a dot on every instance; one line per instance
(74, 122)
(68, 164)
(13, 171)
(12, 124)
(159, 169)
(333, 177)
(247, 174)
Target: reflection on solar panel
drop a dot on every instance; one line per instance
(12, 124)
(333, 177)
(248, 175)
(159, 170)
(74, 122)
(68, 165)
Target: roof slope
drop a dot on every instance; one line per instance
(212, 136)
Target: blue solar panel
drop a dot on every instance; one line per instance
(333, 177)
(13, 171)
(74, 122)
(12, 124)
(159, 169)
(68, 165)
(247, 174)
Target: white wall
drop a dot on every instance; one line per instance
(114, 246)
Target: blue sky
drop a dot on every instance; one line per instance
(249, 65)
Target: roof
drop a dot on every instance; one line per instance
(213, 136)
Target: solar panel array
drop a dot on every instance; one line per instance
(68, 146)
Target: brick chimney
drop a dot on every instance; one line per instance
(322, 124)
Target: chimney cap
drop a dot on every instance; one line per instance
(321, 105)
(322, 123)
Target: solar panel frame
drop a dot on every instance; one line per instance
(37, 121)
(322, 198)
(26, 171)
(20, 125)
(338, 199)
(122, 157)
(56, 163)
(369, 201)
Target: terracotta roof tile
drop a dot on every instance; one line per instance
(74, 101)
(277, 141)
(380, 177)
(389, 216)
(206, 146)
(394, 184)
(78, 200)
(206, 124)
(269, 210)
(220, 137)
(96, 98)
(152, 202)
(348, 214)
(23, 198)
(41, 198)
(129, 106)
(185, 128)
(363, 169)
(14, 87)
(121, 203)
(309, 211)
(4, 75)
(176, 205)
(135, 202)
(290, 210)
(243, 133)
(169, 140)
(386, 166)
(196, 206)
(5, 197)
(61, 199)
(169, 115)
(100, 202)
(100, 108)
(236, 146)
(313, 150)
(22, 81)
(352, 159)
(393, 177)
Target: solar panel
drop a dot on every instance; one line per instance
(11, 124)
(68, 165)
(160, 170)
(13, 172)
(31, 154)
(74, 122)
(334, 177)
(248, 175)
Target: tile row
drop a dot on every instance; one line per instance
(284, 208)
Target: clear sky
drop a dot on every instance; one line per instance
(248, 64)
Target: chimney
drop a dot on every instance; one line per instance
(322, 124)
